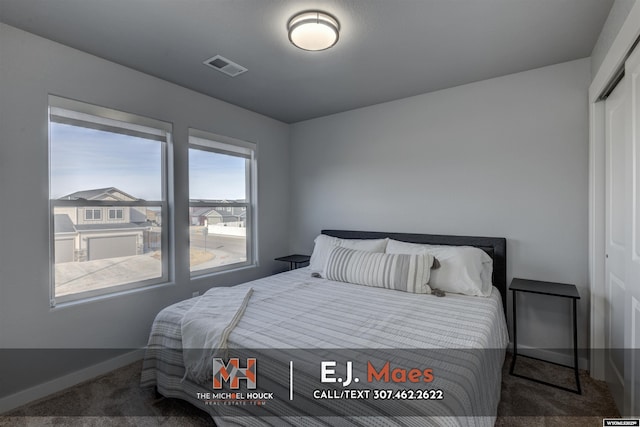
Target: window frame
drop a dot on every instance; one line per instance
(127, 123)
(220, 144)
(93, 214)
(115, 211)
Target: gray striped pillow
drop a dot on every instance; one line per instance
(408, 273)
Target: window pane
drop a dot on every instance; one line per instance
(85, 159)
(217, 238)
(220, 207)
(216, 176)
(107, 197)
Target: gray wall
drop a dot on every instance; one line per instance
(31, 68)
(618, 14)
(502, 157)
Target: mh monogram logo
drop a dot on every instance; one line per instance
(233, 373)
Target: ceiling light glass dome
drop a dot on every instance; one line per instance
(313, 30)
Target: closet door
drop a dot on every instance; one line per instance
(632, 312)
(616, 110)
(622, 234)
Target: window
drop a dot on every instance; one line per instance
(115, 214)
(92, 214)
(222, 198)
(106, 166)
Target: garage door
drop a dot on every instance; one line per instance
(64, 251)
(111, 247)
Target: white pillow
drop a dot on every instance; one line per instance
(367, 245)
(463, 269)
(400, 272)
(324, 244)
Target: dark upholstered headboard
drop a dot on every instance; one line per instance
(496, 247)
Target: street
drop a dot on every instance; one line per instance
(235, 246)
(224, 249)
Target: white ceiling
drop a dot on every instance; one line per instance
(388, 49)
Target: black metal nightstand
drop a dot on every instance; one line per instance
(561, 290)
(295, 261)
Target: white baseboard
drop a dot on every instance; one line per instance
(45, 389)
(551, 356)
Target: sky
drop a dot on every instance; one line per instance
(85, 159)
(216, 176)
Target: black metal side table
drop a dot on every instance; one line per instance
(295, 261)
(561, 290)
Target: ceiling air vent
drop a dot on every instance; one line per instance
(223, 65)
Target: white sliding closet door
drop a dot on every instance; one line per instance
(632, 308)
(616, 239)
(622, 236)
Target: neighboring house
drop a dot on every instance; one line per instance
(231, 216)
(97, 232)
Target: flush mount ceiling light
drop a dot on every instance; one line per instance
(313, 30)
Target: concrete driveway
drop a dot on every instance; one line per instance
(74, 277)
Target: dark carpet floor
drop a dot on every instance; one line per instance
(523, 403)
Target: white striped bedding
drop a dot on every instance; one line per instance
(292, 310)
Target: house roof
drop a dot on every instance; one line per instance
(236, 212)
(114, 226)
(95, 194)
(212, 201)
(62, 224)
(200, 211)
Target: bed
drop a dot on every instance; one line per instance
(419, 360)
